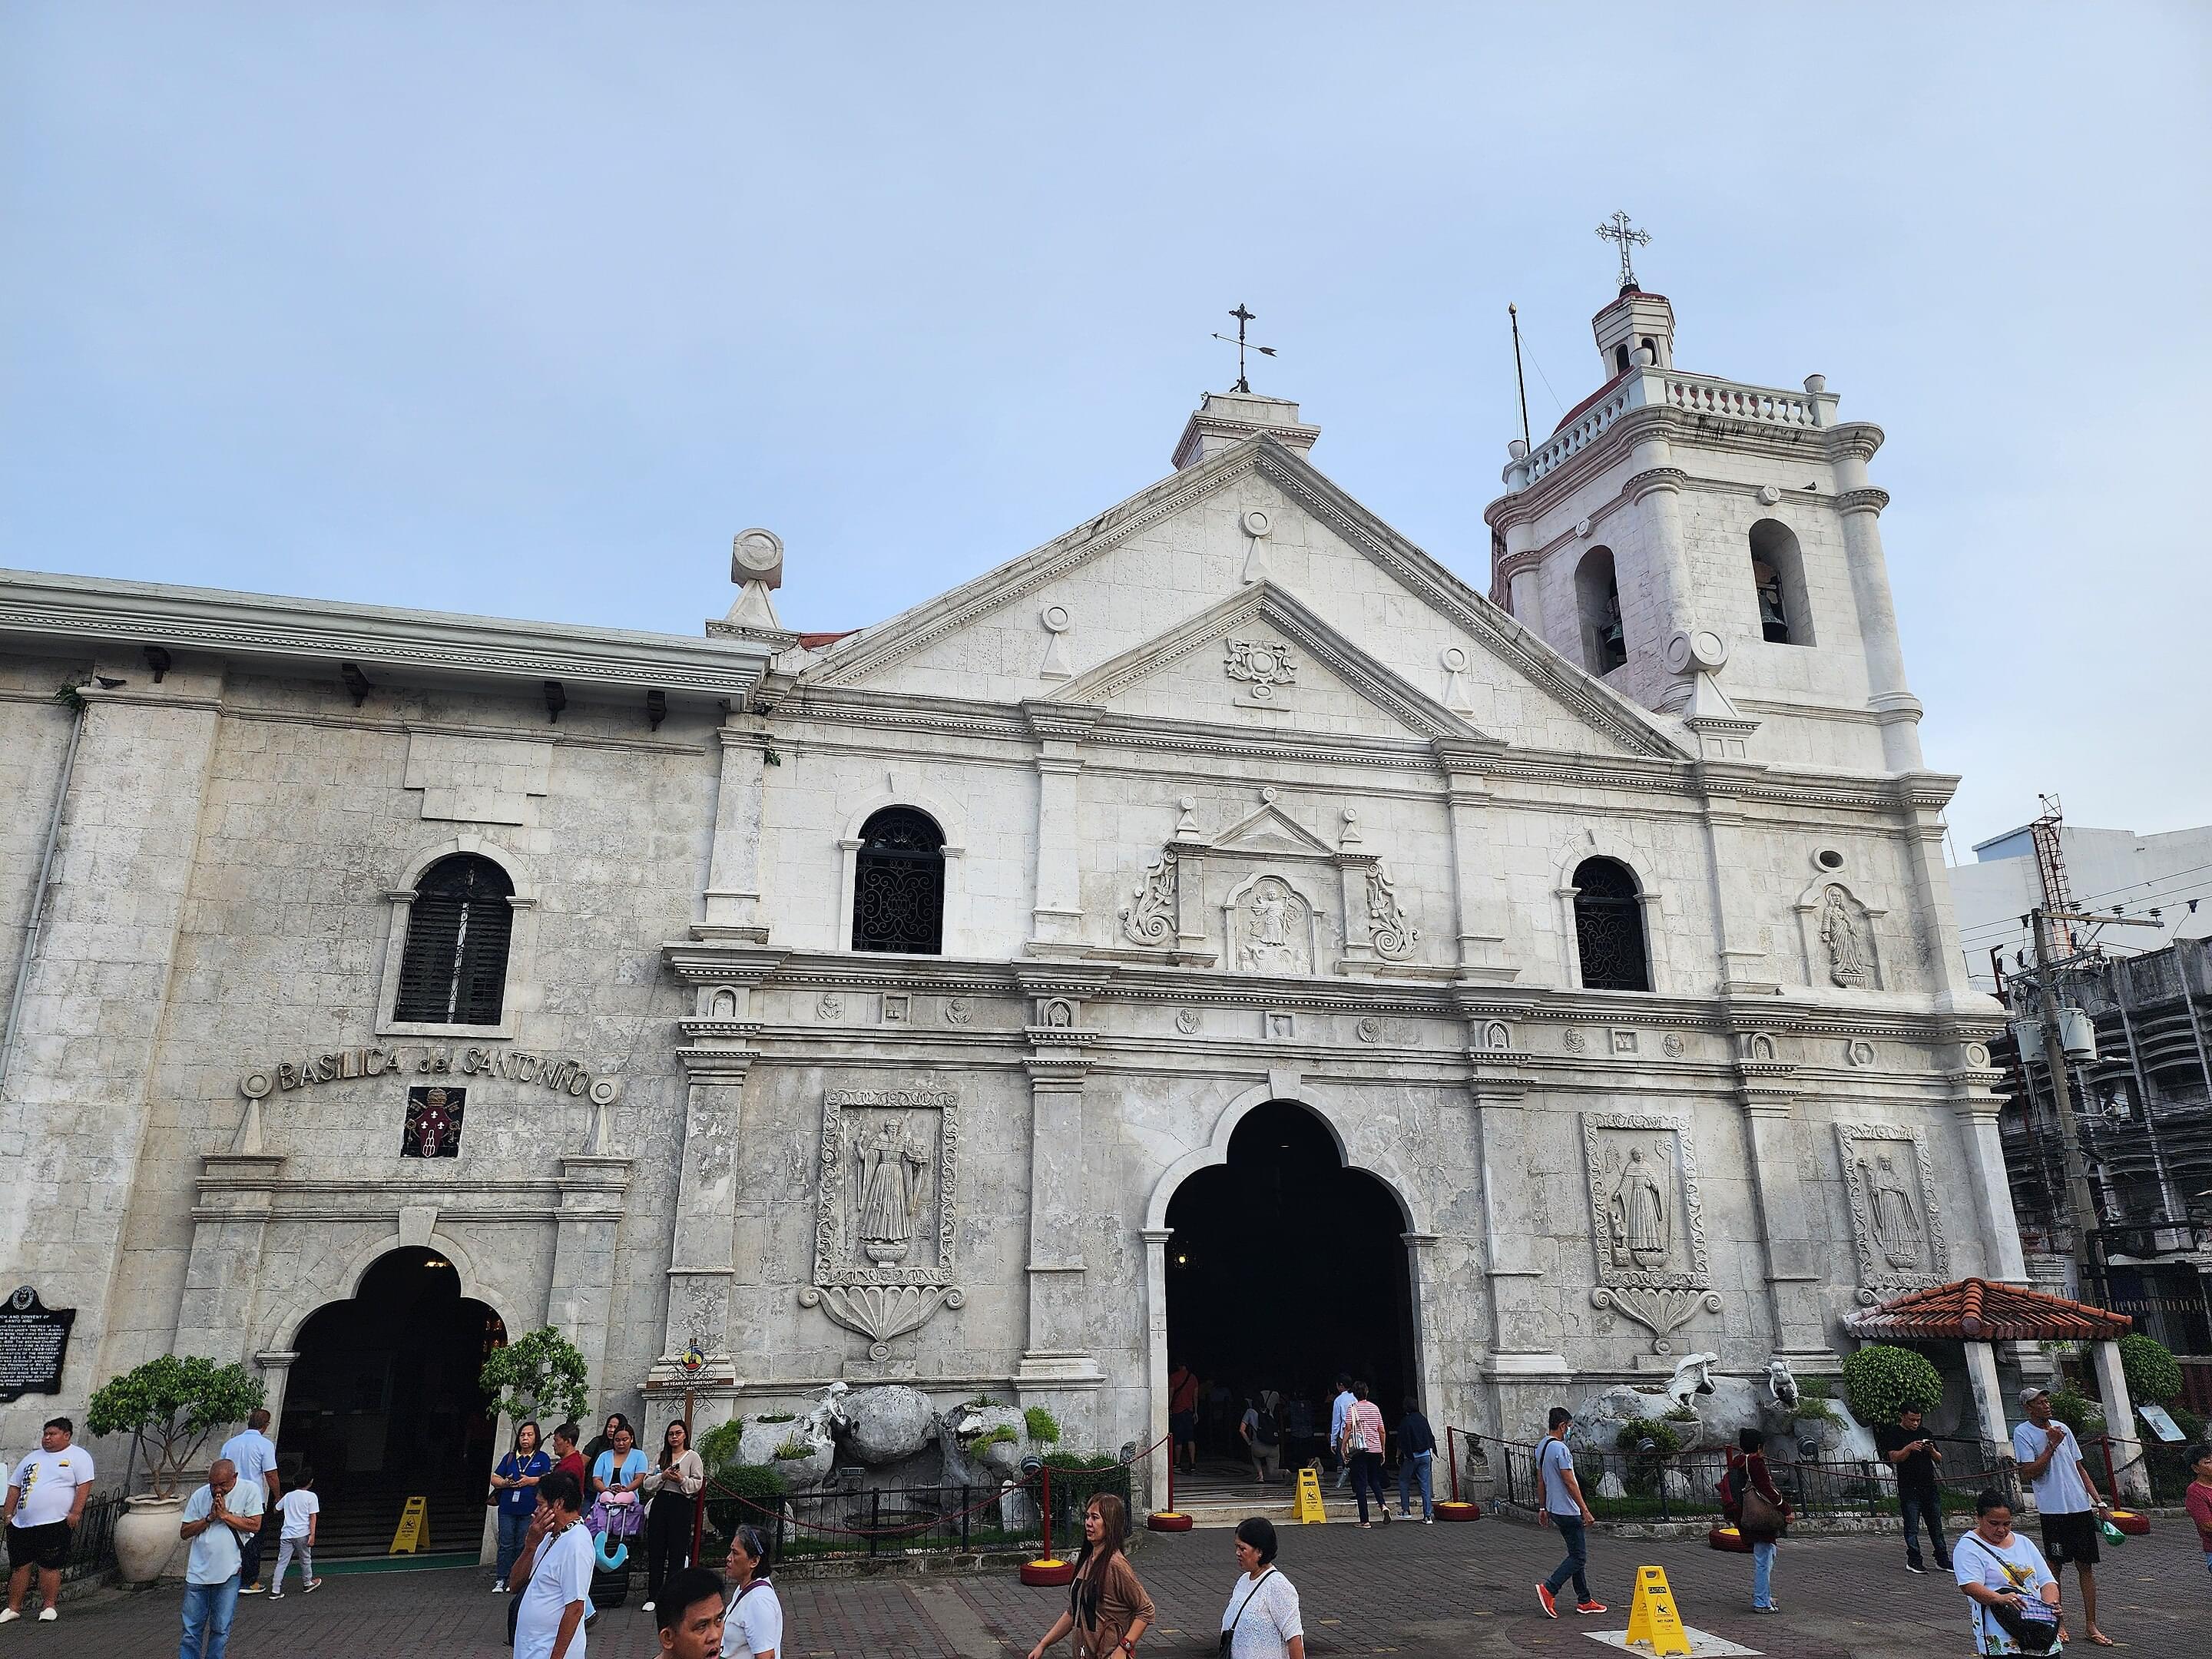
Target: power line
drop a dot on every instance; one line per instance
(2162, 898)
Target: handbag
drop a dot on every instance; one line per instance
(1229, 1635)
(2033, 1625)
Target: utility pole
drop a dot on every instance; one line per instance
(2078, 1202)
(2086, 1250)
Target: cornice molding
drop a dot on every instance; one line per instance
(49, 609)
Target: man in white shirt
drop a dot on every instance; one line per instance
(554, 1574)
(218, 1519)
(2065, 1497)
(46, 1501)
(253, 1454)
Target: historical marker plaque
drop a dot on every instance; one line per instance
(34, 1343)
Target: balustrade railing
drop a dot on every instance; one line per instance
(1696, 394)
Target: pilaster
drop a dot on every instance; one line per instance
(1796, 1262)
(1516, 1240)
(1057, 915)
(733, 908)
(1477, 885)
(1058, 1354)
(1155, 1361)
(1747, 964)
(230, 1221)
(1975, 1109)
(1860, 505)
(580, 1302)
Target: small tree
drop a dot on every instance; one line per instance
(2152, 1373)
(1882, 1380)
(538, 1376)
(169, 1406)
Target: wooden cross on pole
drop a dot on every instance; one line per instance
(1617, 229)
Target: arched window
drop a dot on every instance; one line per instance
(1597, 600)
(1620, 358)
(1778, 578)
(898, 883)
(453, 970)
(1609, 927)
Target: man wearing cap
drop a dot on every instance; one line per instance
(2051, 1458)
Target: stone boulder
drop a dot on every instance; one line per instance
(990, 1446)
(1600, 1418)
(761, 1442)
(890, 1424)
(1735, 1403)
(1610, 1487)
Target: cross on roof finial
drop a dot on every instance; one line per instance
(1243, 317)
(1617, 229)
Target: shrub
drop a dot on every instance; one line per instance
(1044, 1428)
(999, 1435)
(2154, 1376)
(1644, 1468)
(719, 1445)
(738, 1493)
(169, 1406)
(794, 1447)
(1075, 1479)
(541, 1375)
(1882, 1380)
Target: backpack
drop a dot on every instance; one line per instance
(1267, 1434)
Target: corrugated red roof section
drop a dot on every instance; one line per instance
(1978, 1310)
(815, 641)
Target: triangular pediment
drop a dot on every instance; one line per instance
(1435, 654)
(1262, 654)
(1268, 831)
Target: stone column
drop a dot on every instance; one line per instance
(1428, 1315)
(77, 1099)
(1975, 1109)
(1656, 489)
(1057, 918)
(1478, 884)
(1988, 1402)
(1526, 590)
(1746, 966)
(1931, 901)
(702, 1248)
(2128, 1474)
(1894, 704)
(1796, 1267)
(580, 1302)
(1155, 1361)
(1518, 1247)
(734, 879)
(1059, 1355)
(215, 1316)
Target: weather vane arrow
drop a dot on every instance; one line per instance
(1243, 317)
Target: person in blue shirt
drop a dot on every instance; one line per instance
(516, 1480)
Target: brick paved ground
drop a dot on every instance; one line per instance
(1441, 1590)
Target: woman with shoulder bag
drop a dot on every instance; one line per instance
(1107, 1607)
(1758, 1513)
(1261, 1620)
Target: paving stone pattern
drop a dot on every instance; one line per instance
(1464, 1590)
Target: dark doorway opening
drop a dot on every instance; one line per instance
(383, 1404)
(1285, 1268)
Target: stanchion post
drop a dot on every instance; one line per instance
(1451, 1456)
(1044, 1508)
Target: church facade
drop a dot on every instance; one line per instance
(857, 1006)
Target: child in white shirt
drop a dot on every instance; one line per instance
(299, 1507)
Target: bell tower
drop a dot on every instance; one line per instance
(1711, 549)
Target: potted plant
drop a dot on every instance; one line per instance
(539, 1375)
(169, 1406)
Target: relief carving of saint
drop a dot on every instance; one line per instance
(891, 1180)
(1892, 1216)
(1274, 930)
(1636, 1217)
(1839, 933)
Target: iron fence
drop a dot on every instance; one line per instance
(92, 1545)
(874, 1522)
(1661, 1485)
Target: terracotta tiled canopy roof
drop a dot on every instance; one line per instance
(1976, 1311)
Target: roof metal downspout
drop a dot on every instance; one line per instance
(39, 894)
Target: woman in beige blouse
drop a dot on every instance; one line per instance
(1107, 1608)
(672, 1488)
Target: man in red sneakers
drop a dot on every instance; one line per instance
(1563, 1507)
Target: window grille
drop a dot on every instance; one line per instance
(1609, 927)
(898, 886)
(453, 969)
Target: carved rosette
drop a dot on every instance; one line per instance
(886, 1212)
(1897, 1223)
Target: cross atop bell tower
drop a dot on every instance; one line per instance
(1617, 229)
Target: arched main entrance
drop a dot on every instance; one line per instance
(1284, 1268)
(383, 1404)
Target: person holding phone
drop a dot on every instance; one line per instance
(1911, 1452)
(2066, 1497)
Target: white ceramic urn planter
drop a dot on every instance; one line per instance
(146, 1542)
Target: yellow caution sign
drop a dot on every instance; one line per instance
(1308, 1503)
(1652, 1617)
(414, 1534)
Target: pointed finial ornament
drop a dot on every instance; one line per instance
(1617, 229)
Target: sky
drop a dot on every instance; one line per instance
(526, 309)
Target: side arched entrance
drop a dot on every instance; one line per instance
(382, 1403)
(1283, 1268)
